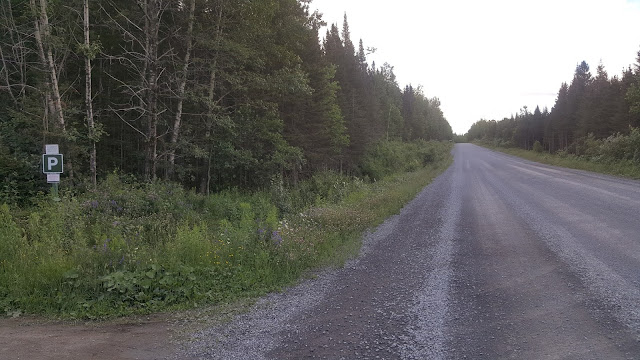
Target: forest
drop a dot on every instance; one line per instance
(211, 94)
(594, 117)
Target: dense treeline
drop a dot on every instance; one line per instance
(590, 113)
(209, 93)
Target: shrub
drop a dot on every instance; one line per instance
(11, 240)
(389, 157)
(623, 147)
(537, 147)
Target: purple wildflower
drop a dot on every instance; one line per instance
(276, 237)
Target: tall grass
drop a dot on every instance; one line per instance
(136, 248)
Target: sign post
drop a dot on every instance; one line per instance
(53, 166)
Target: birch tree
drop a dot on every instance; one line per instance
(89, 51)
(141, 58)
(43, 35)
(182, 82)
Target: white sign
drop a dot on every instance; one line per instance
(51, 149)
(52, 163)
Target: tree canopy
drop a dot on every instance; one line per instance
(590, 107)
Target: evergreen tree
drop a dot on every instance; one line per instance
(633, 92)
(210, 93)
(596, 111)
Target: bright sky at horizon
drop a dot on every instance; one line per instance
(487, 59)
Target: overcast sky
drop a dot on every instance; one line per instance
(489, 58)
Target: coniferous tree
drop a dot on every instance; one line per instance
(211, 93)
(633, 92)
(586, 110)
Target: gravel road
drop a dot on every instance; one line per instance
(497, 258)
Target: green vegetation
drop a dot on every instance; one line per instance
(132, 247)
(290, 147)
(615, 155)
(213, 94)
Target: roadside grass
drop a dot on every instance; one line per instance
(132, 248)
(624, 168)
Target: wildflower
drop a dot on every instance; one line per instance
(276, 237)
(94, 204)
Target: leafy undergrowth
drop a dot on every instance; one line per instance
(138, 248)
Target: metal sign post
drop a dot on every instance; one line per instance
(53, 166)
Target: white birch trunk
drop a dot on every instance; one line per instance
(181, 91)
(87, 99)
(53, 75)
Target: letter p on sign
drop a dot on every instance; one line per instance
(52, 163)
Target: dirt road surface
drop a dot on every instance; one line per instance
(499, 258)
(132, 338)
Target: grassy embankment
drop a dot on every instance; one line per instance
(617, 155)
(137, 248)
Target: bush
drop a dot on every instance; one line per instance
(622, 147)
(11, 241)
(326, 187)
(389, 157)
(587, 146)
(537, 147)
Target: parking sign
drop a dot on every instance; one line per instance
(52, 163)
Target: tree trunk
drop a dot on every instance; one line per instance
(181, 90)
(6, 15)
(52, 94)
(87, 99)
(5, 71)
(209, 126)
(152, 13)
(37, 34)
(55, 91)
(210, 105)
